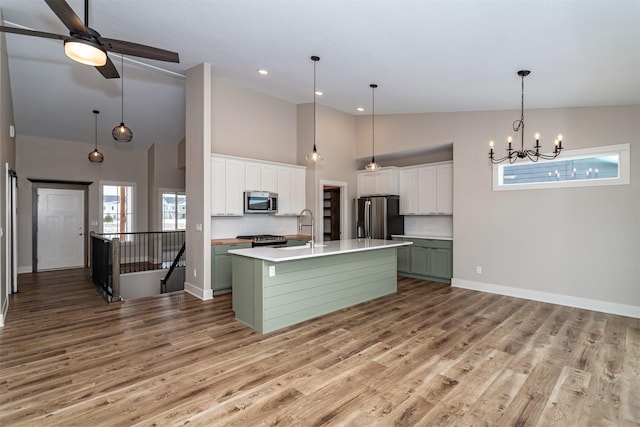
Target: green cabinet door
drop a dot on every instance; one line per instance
(440, 263)
(221, 267)
(404, 259)
(297, 242)
(420, 261)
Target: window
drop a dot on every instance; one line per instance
(174, 210)
(117, 208)
(608, 165)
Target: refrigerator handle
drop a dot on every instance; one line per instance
(367, 219)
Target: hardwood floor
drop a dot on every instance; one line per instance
(429, 355)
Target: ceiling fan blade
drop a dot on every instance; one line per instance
(67, 16)
(108, 70)
(139, 50)
(15, 30)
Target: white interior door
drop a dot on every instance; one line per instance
(60, 228)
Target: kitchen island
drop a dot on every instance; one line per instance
(278, 287)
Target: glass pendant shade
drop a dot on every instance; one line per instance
(96, 156)
(314, 156)
(85, 52)
(122, 133)
(373, 166)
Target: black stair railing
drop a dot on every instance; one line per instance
(175, 275)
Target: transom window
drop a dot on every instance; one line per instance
(608, 165)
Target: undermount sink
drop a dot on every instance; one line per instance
(307, 246)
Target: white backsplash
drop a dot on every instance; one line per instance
(440, 225)
(228, 227)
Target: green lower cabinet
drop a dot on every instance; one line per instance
(440, 263)
(221, 267)
(297, 242)
(404, 259)
(429, 259)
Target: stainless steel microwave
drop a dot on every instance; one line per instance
(260, 202)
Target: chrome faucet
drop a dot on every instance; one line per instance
(306, 225)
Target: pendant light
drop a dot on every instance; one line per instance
(122, 133)
(95, 156)
(314, 156)
(373, 166)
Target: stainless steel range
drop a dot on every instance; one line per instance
(265, 240)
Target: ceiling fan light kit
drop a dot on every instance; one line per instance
(86, 46)
(85, 51)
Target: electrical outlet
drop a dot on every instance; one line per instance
(272, 270)
(195, 272)
(478, 269)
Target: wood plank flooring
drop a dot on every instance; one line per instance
(431, 355)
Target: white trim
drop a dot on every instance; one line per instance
(134, 190)
(203, 294)
(25, 269)
(3, 312)
(567, 300)
(621, 150)
(345, 225)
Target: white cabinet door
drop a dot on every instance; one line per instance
(234, 187)
(269, 178)
(252, 181)
(386, 181)
(445, 189)
(284, 190)
(217, 187)
(298, 201)
(427, 200)
(408, 191)
(291, 190)
(366, 185)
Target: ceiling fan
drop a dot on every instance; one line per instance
(87, 46)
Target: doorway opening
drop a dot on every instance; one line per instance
(334, 220)
(60, 224)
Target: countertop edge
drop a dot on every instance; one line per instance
(426, 236)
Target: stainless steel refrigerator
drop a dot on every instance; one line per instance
(378, 217)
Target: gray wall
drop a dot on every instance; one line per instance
(576, 242)
(7, 155)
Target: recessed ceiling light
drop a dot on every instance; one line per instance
(319, 93)
(262, 71)
(360, 109)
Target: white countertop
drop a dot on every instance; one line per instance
(422, 236)
(333, 247)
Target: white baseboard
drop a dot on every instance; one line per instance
(570, 301)
(203, 294)
(3, 311)
(25, 269)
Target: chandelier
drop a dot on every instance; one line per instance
(518, 126)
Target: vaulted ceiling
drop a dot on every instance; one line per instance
(425, 55)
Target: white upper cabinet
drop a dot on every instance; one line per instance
(232, 176)
(427, 189)
(383, 182)
(260, 177)
(227, 186)
(291, 190)
(408, 180)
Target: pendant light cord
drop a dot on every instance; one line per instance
(373, 120)
(314, 102)
(95, 115)
(122, 88)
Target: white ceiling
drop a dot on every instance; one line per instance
(425, 55)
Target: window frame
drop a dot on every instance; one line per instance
(177, 192)
(133, 203)
(620, 150)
